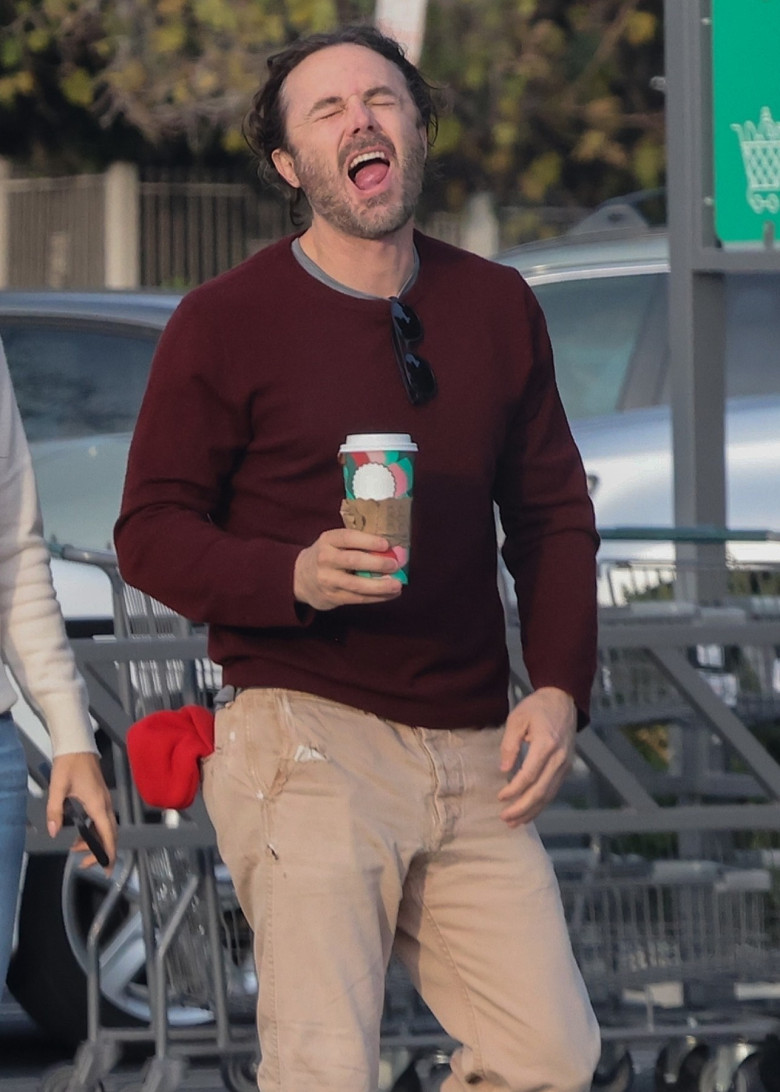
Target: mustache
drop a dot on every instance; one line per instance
(365, 145)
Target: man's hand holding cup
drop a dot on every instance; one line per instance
(368, 560)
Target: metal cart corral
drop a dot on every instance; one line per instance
(666, 841)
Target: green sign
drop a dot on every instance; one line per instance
(746, 118)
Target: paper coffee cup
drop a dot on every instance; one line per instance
(378, 483)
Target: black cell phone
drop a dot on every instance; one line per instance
(74, 814)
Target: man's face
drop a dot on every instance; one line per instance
(355, 141)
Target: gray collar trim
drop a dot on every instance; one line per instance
(311, 267)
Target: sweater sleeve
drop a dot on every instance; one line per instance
(34, 644)
(551, 541)
(190, 434)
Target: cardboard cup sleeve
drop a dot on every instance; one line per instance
(391, 518)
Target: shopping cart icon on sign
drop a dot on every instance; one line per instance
(760, 145)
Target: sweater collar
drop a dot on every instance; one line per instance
(319, 274)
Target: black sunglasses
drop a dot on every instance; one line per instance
(416, 373)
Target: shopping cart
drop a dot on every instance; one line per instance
(743, 669)
(672, 893)
(197, 943)
(682, 955)
(675, 952)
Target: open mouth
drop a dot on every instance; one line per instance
(369, 169)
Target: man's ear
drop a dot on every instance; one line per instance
(285, 165)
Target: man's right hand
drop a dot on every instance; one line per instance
(324, 575)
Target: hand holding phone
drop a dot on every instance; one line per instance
(73, 811)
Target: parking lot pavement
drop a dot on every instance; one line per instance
(24, 1052)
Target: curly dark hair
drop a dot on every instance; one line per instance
(264, 124)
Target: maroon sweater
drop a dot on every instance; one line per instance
(258, 377)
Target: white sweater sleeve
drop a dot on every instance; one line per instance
(33, 642)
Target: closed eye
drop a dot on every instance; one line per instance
(334, 111)
(331, 107)
(330, 112)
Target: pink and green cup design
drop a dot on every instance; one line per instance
(380, 467)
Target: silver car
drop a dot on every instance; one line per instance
(605, 298)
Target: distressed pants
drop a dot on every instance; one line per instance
(348, 837)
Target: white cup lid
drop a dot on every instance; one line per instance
(378, 441)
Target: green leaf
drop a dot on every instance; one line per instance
(167, 8)
(218, 14)
(590, 145)
(77, 87)
(448, 136)
(39, 39)
(542, 173)
(233, 140)
(313, 15)
(168, 38)
(641, 27)
(10, 53)
(13, 87)
(504, 134)
(648, 161)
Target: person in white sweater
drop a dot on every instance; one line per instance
(34, 651)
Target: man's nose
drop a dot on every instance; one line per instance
(360, 114)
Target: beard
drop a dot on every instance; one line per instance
(372, 219)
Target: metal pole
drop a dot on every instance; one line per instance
(696, 299)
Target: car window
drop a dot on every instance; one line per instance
(753, 334)
(597, 326)
(71, 380)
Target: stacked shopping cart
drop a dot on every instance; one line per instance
(666, 841)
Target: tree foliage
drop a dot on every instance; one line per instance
(546, 100)
(551, 99)
(145, 73)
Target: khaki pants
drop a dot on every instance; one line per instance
(346, 836)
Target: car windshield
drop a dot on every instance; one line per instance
(71, 381)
